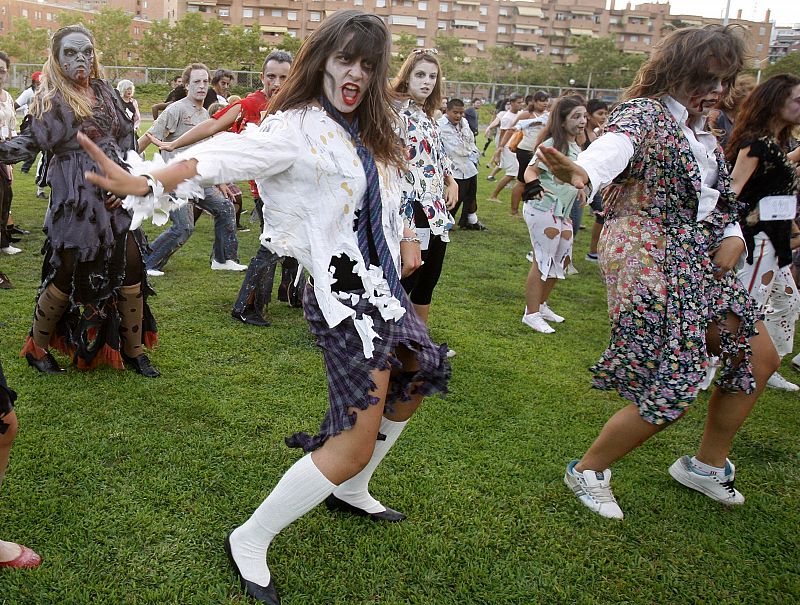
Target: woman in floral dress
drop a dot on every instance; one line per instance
(670, 241)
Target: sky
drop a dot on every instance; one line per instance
(784, 12)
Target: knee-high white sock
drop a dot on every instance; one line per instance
(299, 490)
(355, 490)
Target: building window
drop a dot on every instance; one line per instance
(501, 29)
(24, 12)
(443, 7)
(144, 5)
(423, 6)
(421, 42)
(291, 15)
(481, 27)
(358, 2)
(261, 12)
(762, 31)
(37, 14)
(422, 24)
(247, 13)
(380, 3)
(633, 38)
(503, 12)
(314, 16)
(441, 25)
(276, 12)
(483, 10)
(481, 45)
(49, 16)
(646, 39)
(759, 48)
(224, 11)
(292, 33)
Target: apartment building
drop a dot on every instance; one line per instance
(785, 40)
(536, 28)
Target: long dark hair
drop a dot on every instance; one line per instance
(759, 115)
(555, 122)
(682, 62)
(356, 34)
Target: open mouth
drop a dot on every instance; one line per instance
(350, 94)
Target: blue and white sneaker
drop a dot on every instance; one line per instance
(715, 487)
(593, 489)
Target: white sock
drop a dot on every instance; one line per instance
(355, 490)
(706, 469)
(300, 489)
(472, 218)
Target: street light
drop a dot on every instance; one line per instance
(757, 64)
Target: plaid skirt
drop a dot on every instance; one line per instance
(350, 373)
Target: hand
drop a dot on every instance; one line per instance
(726, 255)
(162, 145)
(562, 167)
(582, 198)
(226, 191)
(112, 178)
(451, 195)
(533, 190)
(410, 258)
(112, 202)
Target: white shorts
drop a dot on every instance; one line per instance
(508, 162)
(551, 238)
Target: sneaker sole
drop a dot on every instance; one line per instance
(682, 477)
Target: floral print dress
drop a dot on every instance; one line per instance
(657, 262)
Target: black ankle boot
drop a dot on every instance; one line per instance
(46, 365)
(142, 365)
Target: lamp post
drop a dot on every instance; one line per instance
(757, 64)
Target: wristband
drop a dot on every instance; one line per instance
(532, 190)
(151, 181)
(414, 240)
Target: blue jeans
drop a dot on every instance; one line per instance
(226, 246)
(577, 217)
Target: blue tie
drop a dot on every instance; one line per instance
(370, 217)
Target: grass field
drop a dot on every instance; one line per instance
(126, 486)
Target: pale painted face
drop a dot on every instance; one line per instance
(790, 112)
(275, 74)
(197, 86)
(346, 80)
(422, 81)
(455, 114)
(700, 102)
(575, 121)
(76, 57)
(3, 74)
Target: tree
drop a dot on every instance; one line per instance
(112, 34)
(451, 56)
(601, 64)
(290, 43)
(790, 64)
(155, 47)
(25, 43)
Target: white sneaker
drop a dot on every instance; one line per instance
(228, 265)
(593, 489)
(715, 487)
(10, 250)
(592, 258)
(571, 270)
(711, 371)
(796, 362)
(776, 381)
(155, 273)
(450, 353)
(537, 322)
(529, 256)
(548, 314)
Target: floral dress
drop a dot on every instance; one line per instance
(657, 262)
(428, 165)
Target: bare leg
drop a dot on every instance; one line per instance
(423, 311)
(501, 184)
(8, 550)
(516, 196)
(597, 228)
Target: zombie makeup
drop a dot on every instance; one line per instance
(76, 57)
(275, 74)
(422, 80)
(346, 80)
(575, 121)
(3, 74)
(197, 86)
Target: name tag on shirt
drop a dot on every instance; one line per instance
(424, 236)
(777, 208)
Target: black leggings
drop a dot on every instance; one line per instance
(420, 284)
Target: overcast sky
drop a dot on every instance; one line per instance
(784, 12)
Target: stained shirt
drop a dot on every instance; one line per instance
(610, 153)
(557, 196)
(177, 119)
(459, 144)
(428, 166)
(313, 182)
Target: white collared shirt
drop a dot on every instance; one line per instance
(610, 153)
(459, 144)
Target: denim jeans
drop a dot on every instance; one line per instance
(226, 246)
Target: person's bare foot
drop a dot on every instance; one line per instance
(494, 199)
(9, 551)
(18, 556)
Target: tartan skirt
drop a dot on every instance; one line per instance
(350, 373)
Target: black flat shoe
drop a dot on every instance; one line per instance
(46, 365)
(250, 316)
(389, 515)
(142, 365)
(18, 231)
(14, 240)
(263, 594)
(5, 283)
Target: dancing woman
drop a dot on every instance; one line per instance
(92, 303)
(758, 150)
(327, 162)
(429, 189)
(669, 243)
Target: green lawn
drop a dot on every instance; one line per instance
(127, 486)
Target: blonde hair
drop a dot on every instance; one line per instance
(400, 82)
(54, 81)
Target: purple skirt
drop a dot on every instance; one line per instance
(350, 373)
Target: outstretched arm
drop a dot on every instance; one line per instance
(562, 167)
(203, 130)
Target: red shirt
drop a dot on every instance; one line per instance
(250, 111)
